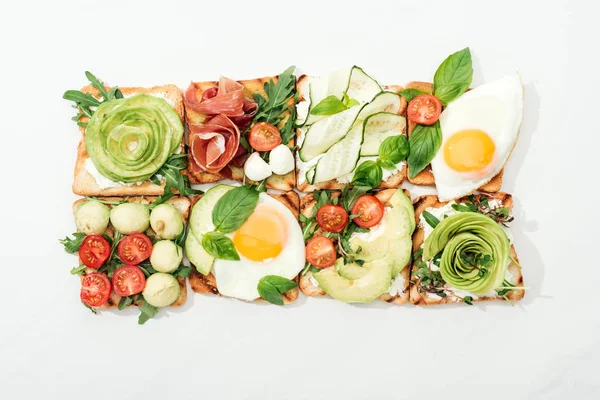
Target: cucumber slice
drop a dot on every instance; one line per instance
(166, 256)
(166, 221)
(201, 217)
(129, 218)
(323, 134)
(92, 217)
(341, 158)
(362, 87)
(334, 84)
(197, 255)
(161, 290)
(377, 128)
(383, 102)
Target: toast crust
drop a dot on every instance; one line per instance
(431, 201)
(251, 86)
(84, 183)
(425, 177)
(207, 284)
(306, 283)
(182, 204)
(392, 182)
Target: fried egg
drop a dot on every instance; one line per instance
(270, 242)
(479, 131)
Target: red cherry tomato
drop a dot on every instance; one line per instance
(370, 211)
(134, 249)
(264, 137)
(94, 251)
(128, 280)
(424, 109)
(332, 218)
(320, 252)
(95, 289)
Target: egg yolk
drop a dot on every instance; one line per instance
(470, 150)
(262, 236)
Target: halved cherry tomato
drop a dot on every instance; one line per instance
(320, 252)
(264, 137)
(332, 218)
(369, 209)
(424, 109)
(94, 251)
(95, 289)
(128, 280)
(134, 249)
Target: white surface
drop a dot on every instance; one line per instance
(544, 348)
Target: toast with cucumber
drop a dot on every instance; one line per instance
(114, 156)
(358, 260)
(463, 251)
(344, 118)
(130, 252)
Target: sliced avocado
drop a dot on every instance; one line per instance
(350, 270)
(201, 217)
(197, 255)
(398, 222)
(376, 281)
(400, 253)
(369, 251)
(400, 199)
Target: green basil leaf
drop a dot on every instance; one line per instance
(328, 106)
(369, 173)
(410, 93)
(234, 208)
(72, 245)
(147, 311)
(424, 143)
(271, 287)
(348, 102)
(386, 164)
(219, 246)
(394, 149)
(431, 219)
(454, 76)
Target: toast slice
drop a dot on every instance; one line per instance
(308, 284)
(431, 201)
(207, 284)
(251, 86)
(394, 181)
(84, 183)
(182, 204)
(425, 177)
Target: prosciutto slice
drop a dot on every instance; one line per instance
(227, 99)
(214, 144)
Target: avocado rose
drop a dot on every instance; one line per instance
(461, 237)
(129, 139)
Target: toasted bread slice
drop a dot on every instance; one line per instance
(431, 201)
(280, 182)
(207, 284)
(85, 184)
(182, 204)
(309, 286)
(425, 177)
(394, 181)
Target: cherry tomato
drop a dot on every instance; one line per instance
(95, 289)
(264, 137)
(94, 251)
(332, 218)
(424, 109)
(128, 280)
(320, 252)
(134, 249)
(369, 209)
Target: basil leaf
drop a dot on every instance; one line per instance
(454, 76)
(387, 164)
(234, 208)
(424, 143)
(410, 93)
(369, 173)
(219, 246)
(394, 149)
(147, 311)
(431, 219)
(328, 106)
(271, 287)
(72, 245)
(348, 102)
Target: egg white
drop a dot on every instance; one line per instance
(495, 108)
(240, 279)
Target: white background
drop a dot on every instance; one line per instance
(544, 348)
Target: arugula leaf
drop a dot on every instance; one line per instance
(410, 93)
(147, 311)
(93, 310)
(328, 106)
(234, 208)
(368, 173)
(271, 109)
(424, 143)
(431, 219)
(468, 300)
(81, 99)
(454, 76)
(271, 287)
(125, 302)
(349, 196)
(98, 84)
(72, 245)
(287, 132)
(78, 270)
(219, 246)
(171, 172)
(393, 149)
(417, 254)
(184, 271)
(147, 269)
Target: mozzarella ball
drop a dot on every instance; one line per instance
(281, 160)
(256, 168)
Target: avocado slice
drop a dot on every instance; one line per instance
(399, 199)
(350, 270)
(376, 281)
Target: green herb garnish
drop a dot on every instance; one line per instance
(72, 245)
(271, 287)
(219, 246)
(454, 76)
(424, 143)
